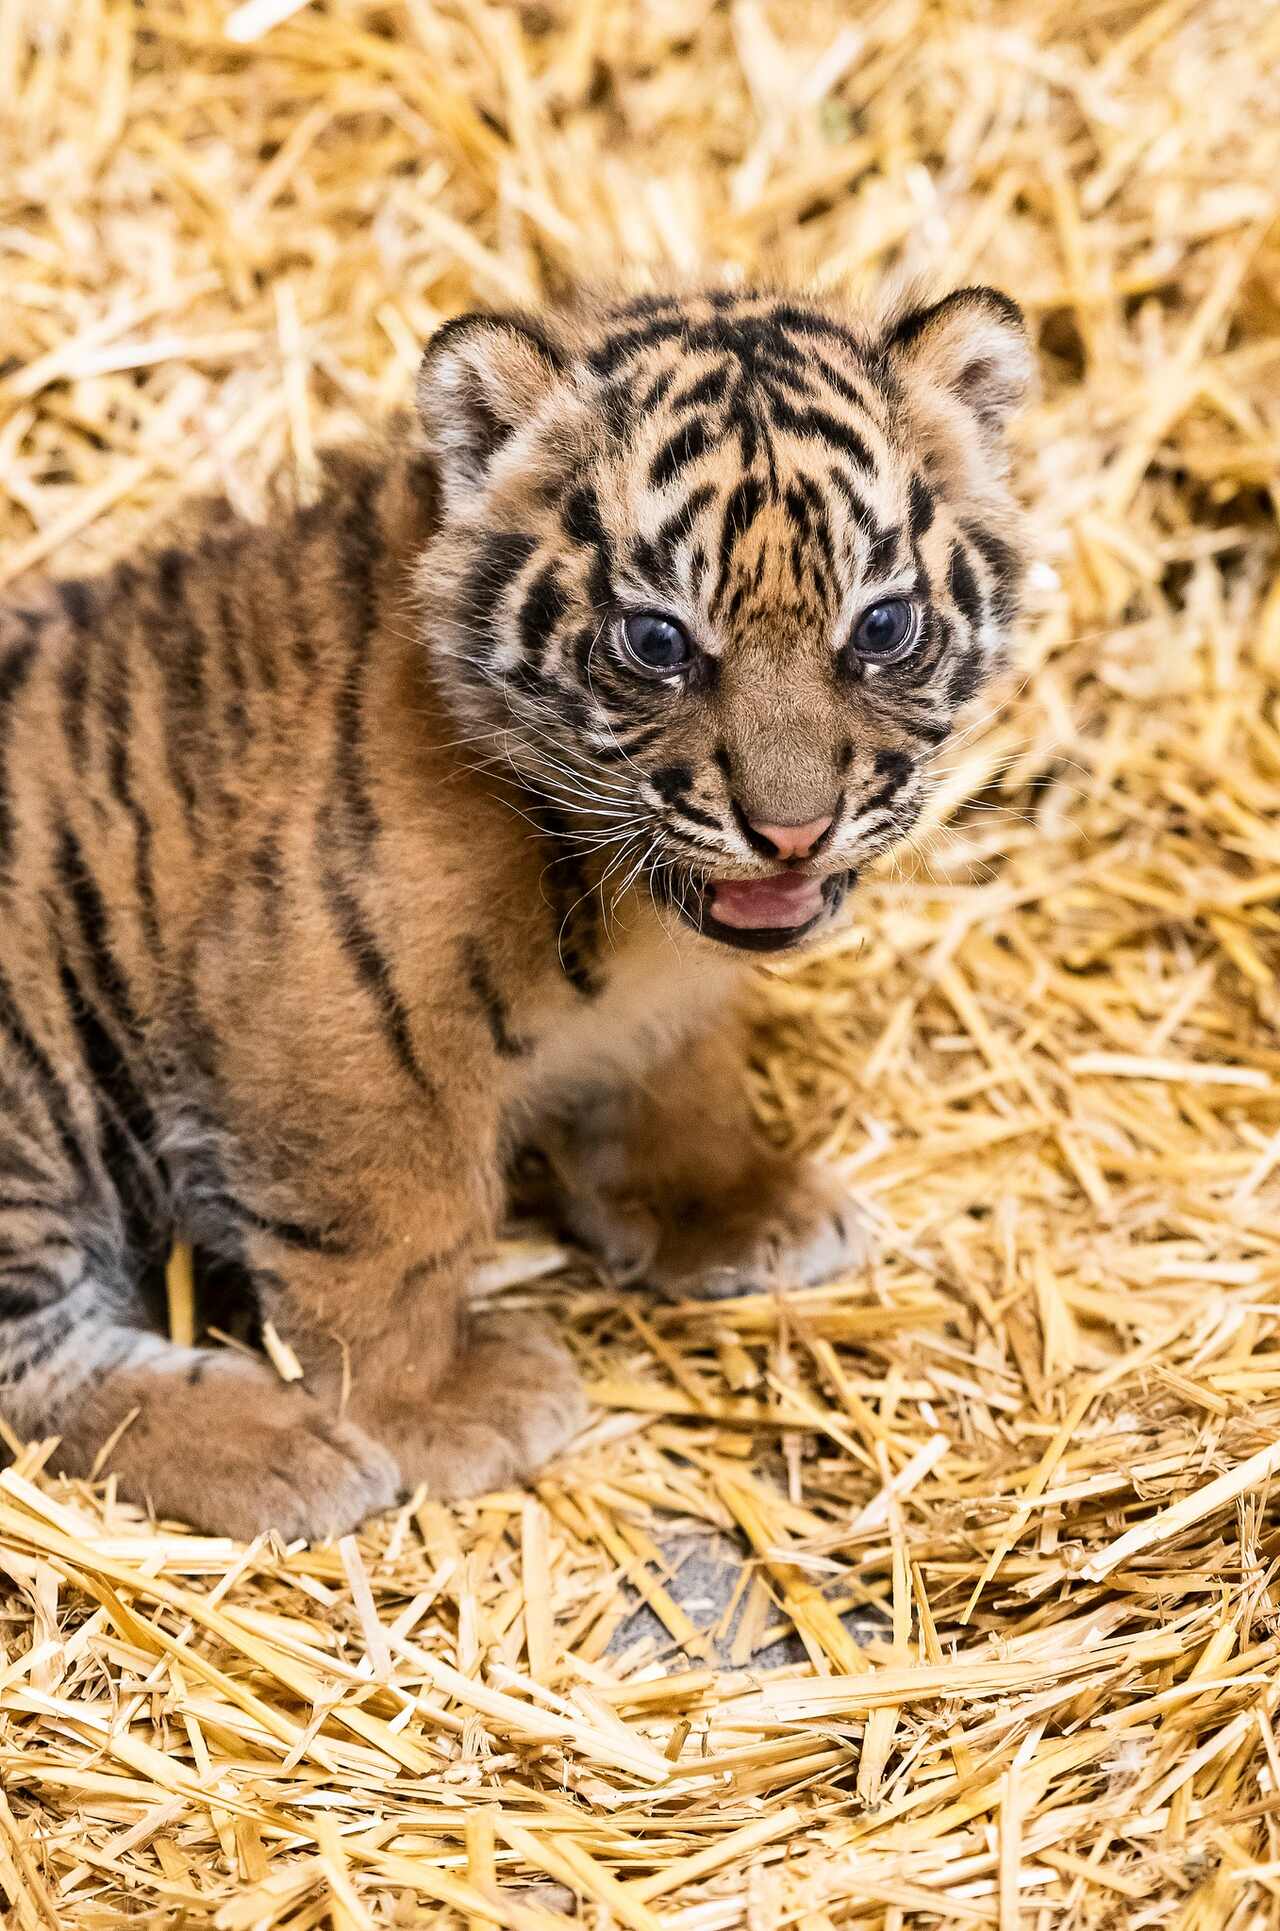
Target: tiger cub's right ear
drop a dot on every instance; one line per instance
(480, 378)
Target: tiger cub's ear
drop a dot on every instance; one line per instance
(973, 345)
(480, 378)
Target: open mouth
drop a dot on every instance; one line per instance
(761, 914)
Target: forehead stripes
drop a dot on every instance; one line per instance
(689, 442)
(761, 379)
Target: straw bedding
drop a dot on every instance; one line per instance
(1034, 1448)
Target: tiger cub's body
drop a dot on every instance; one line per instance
(344, 855)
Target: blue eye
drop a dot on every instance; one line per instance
(657, 646)
(887, 631)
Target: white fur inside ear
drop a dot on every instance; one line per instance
(992, 369)
(974, 345)
(481, 379)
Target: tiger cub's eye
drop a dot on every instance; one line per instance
(657, 646)
(887, 631)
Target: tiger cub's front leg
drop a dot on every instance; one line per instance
(671, 1185)
(398, 1388)
(376, 1311)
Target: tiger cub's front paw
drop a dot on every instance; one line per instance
(508, 1404)
(233, 1450)
(786, 1226)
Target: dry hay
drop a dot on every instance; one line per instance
(1041, 1434)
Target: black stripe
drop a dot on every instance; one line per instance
(126, 1124)
(544, 605)
(762, 350)
(15, 667)
(53, 1095)
(235, 712)
(30, 1249)
(582, 524)
(15, 1164)
(743, 507)
(650, 303)
(920, 516)
(490, 1000)
(654, 394)
(937, 637)
(55, 1333)
(77, 604)
(574, 907)
(501, 559)
(681, 808)
(654, 558)
(805, 502)
(863, 515)
(360, 549)
(31, 1204)
(882, 557)
(373, 969)
(932, 731)
(20, 1303)
(118, 714)
(621, 749)
(963, 587)
(965, 676)
(671, 781)
(76, 599)
(581, 518)
(812, 324)
(684, 447)
(863, 396)
(1005, 565)
(621, 346)
(678, 524)
(813, 420)
(266, 875)
(896, 765)
(289, 1233)
(570, 704)
(94, 926)
(111, 1075)
(243, 617)
(615, 408)
(742, 421)
(20, 1262)
(879, 799)
(704, 391)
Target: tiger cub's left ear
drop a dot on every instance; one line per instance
(480, 378)
(973, 345)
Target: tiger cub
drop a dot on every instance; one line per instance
(344, 856)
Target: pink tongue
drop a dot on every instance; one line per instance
(752, 903)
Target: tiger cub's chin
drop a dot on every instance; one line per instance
(341, 853)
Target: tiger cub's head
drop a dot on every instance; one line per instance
(718, 571)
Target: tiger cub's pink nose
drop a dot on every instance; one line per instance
(793, 841)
